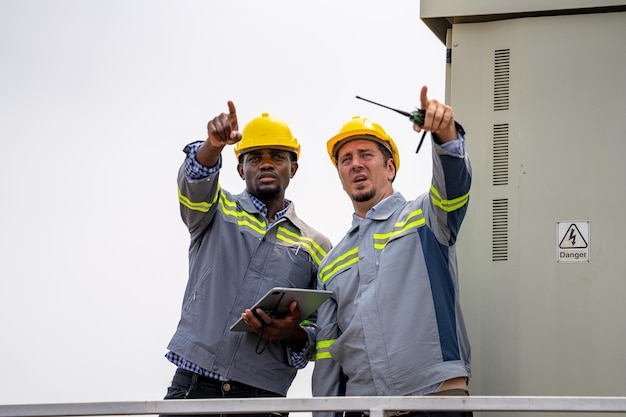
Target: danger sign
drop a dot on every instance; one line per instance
(572, 242)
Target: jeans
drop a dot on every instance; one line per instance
(188, 385)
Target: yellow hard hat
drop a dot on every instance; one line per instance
(267, 131)
(361, 128)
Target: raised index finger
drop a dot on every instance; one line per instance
(424, 97)
(232, 116)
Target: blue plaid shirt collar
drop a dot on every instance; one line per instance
(263, 208)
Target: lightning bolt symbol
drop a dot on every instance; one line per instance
(572, 237)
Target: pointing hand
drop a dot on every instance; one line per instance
(224, 129)
(439, 118)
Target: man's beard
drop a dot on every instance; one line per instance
(363, 196)
(267, 193)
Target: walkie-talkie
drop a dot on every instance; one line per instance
(416, 116)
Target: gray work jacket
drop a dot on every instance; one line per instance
(234, 259)
(394, 324)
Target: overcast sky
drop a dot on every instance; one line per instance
(98, 99)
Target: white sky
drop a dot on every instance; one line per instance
(97, 100)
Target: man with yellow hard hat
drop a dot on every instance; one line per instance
(394, 326)
(242, 246)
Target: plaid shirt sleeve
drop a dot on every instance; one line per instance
(298, 359)
(195, 170)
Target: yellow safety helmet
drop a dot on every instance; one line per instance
(362, 128)
(267, 131)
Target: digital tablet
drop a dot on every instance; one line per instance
(276, 304)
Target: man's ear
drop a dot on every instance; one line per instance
(391, 169)
(240, 171)
(294, 168)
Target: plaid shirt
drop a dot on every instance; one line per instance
(195, 171)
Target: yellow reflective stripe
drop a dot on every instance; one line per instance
(313, 248)
(322, 349)
(447, 205)
(231, 210)
(323, 355)
(343, 261)
(244, 219)
(414, 219)
(324, 344)
(201, 206)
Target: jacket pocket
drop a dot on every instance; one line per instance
(196, 288)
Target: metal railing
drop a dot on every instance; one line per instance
(376, 406)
